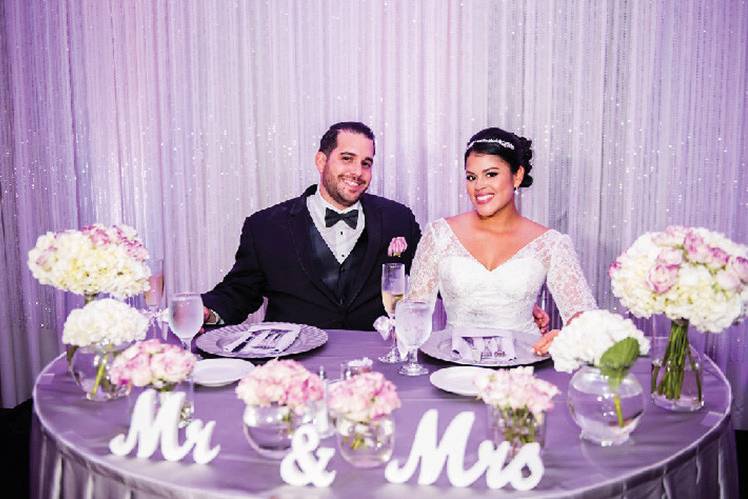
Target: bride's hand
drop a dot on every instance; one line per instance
(543, 344)
(541, 319)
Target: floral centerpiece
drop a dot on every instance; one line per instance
(362, 406)
(279, 397)
(96, 259)
(517, 402)
(607, 345)
(161, 366)
(99, 330)
(693, 276)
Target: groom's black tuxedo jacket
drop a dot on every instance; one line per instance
(280, 257)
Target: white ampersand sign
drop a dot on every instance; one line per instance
(300, 467)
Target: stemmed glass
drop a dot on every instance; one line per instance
(393, 289)
(186, 316)
(155, 294)
(413, 327)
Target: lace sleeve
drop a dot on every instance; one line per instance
(424, 274)
(566, 281)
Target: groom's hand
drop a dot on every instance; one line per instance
(541, 319)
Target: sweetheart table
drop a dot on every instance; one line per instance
(669, 454)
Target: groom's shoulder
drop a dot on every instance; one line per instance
(385, 205)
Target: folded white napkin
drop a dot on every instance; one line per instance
(266, 338)
(468, 343)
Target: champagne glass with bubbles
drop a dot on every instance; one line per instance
(155, 294)
(186, 316)
(413, 328)
(393, 289)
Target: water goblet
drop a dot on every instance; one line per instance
(186, 316)
(412, 328)
(393, 289)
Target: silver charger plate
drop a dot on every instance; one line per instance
(213, 341)
(439, 346)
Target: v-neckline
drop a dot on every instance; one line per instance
(520, 250)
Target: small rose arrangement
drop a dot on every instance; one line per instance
(602, 339)
(364, 398)
(96, 259)
(397, 246)
(282, 383)
(152, 363)
(520, 400)
(689, 274)
(106, 322)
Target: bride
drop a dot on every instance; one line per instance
(490, 263)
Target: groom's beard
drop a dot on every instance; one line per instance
(339, 191)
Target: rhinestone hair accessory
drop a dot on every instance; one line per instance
(502, 143)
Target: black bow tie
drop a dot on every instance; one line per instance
(332, 217)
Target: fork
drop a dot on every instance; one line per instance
(268, 342)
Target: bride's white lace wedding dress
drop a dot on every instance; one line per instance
(501, 298)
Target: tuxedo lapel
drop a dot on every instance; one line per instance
(299, 222)
(374, 243)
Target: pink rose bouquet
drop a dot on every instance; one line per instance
(280, 382)
(152, 363)
(397, 246)
(693, 276)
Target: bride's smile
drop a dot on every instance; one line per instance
(490, 183)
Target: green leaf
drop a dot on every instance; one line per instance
(617, 360)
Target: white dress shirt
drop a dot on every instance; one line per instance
(340, 238)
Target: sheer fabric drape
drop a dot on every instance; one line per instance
(181, 118)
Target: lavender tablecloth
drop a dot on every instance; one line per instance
(670, 454)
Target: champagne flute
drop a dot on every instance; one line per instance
(413, 328)
(393, 289)
(155, 294)
(186, 316)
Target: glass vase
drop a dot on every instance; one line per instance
(187, 410)
(607, 415)
(71, 349)
(516, 426)
(269, 429)
(676, 371)
(90, 366)
(366, 445)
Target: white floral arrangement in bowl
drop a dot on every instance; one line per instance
(105, 322)
(96, 259)
(94, 334)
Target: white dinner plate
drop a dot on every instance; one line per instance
(220, 372)
(215, 340)
(458, 379)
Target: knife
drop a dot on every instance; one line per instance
(250, 337)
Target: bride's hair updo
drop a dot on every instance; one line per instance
(515, 150)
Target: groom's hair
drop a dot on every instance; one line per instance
(330, 138)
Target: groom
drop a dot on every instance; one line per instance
(317, 258)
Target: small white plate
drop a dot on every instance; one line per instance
(458, 379)
(220, 372)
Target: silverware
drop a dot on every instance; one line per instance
(243, 344)
(268, 342)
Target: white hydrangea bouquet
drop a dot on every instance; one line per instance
(96, 259)
(97, 332)
(692, 275)
(604, 340)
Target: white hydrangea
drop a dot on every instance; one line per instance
(104, 321)
(589, 336)
(93, 260)
(685, 273)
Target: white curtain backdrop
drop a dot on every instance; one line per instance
(180, 118)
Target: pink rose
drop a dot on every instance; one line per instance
(614, 267)
(697, 250)
(662, 277)
(398, 245)
(670, 256)
(728, 280)
(718, 258)
(739, 265)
